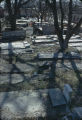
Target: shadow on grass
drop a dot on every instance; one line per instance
(52, 76)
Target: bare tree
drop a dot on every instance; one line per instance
(60, 28)
(0, 20)
(13, 7)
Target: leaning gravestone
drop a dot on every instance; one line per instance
(20, 34)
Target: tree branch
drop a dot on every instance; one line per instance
(76, 28)
(69, 16)
(62, 15)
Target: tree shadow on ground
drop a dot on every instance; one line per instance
(14, 68)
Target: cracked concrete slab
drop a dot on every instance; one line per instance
(28, 104)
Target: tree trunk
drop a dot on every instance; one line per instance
(0, 26)
(13, 24)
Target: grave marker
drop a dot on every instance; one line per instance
(67, 93)
(21, 34)
(52, 56)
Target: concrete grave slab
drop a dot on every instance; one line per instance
(43, 41)
(26, 104)
(15, 68)
(79, 48)
(75, 44)
(16, 51)
(14, 45)
(12, 78)
(75, 37)
(46, 44)
(69, 66)
(51, 56)
(44, 37)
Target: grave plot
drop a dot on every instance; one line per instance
(39, 41)
(27, 104)
(69, 66)
(75, 44)
(13, 78)
(79, 48)
(44, 37)
(15, 47)
(51, 56)
(16, 68)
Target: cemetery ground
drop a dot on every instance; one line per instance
(24, 71)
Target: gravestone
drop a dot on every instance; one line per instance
(48, 29)
(67, 93)
(77, 112)
(21, 34)
(57, 97)
(59, 100)
(29, 31)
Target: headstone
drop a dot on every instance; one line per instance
(48, 30)
(77, 112)
(57, 97)
(67, 92)
(21, 34)
(29, 31)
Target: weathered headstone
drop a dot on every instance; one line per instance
(13, 35)
(77, 112)
(57, 97)
(48, 30)
(29, 31)
(67, 93)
